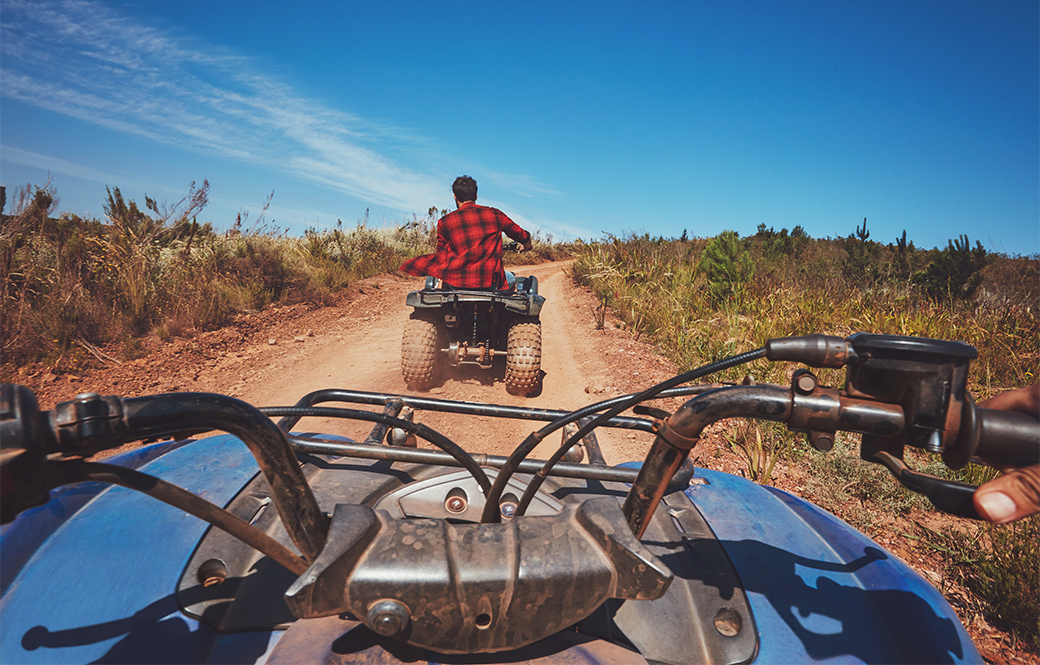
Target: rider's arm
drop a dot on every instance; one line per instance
(1016, 494)
(519, 235)
(511, 229)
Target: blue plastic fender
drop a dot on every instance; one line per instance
(91, 576)
(98, 584)
(821, 590)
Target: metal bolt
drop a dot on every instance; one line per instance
(387, 624)
(455, 504)
(728, 622)
(575, 454)
(934, 444)
(401, 437)
(822, 441)
(388, 617)
(212, 572)
(84, 397)
(805, 383)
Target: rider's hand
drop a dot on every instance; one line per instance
(528, 246)
(1016, 494)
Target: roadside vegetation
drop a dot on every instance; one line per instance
(701, 299)
(78, 292)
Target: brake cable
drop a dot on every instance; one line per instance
(420, 430)
(491, 512)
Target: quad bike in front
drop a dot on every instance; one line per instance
(272, 544)
(452, 327)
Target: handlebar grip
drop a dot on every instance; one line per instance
(1007, 438)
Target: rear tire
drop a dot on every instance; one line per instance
(419, 353)
(523, 358)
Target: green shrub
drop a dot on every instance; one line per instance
(955, 272)
(727, 266)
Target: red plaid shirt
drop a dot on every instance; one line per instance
(469, 248)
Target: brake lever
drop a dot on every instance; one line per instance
(653, 412)
(949, 496)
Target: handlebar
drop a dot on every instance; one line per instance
(899, 391)
(92, 423)
(1002, 438)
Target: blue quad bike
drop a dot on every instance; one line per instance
(449, 327)
(269, 545)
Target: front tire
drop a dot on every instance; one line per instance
(523, 358)
(419, 352)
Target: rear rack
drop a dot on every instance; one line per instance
(516, 301)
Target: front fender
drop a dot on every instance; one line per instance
(820, 589)
(92, 575)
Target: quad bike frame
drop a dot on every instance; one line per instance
(451, 326)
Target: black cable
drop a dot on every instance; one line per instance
(420, 430)
(620, 405)
(68, 472)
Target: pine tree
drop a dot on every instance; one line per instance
(727, 266)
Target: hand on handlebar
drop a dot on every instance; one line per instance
(1016, 494)
(518, 247)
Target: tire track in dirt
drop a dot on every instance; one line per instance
(361, 350)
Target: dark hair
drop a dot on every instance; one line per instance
(464, 188)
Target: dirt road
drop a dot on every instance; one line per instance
(274, 357)
(278, 355)
(361, 350)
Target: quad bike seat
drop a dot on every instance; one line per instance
(513, 283)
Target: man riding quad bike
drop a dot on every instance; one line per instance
(477, 307)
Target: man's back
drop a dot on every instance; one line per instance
(469, 248)
(471, 239)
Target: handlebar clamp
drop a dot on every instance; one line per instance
(928, 378)
(23, 452)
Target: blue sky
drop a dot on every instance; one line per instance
(576, 119)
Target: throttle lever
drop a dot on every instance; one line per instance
(948, 496)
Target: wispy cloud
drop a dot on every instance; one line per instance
(521, 184)
(82, 171)
(87, 61)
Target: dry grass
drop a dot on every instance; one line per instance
(70, 284)
(803, 285)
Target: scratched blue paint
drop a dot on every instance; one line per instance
(819, 589)
(23, 536)
(101, 587)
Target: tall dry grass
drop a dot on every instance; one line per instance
(70, 284)
(656, 287)
(800, 285)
